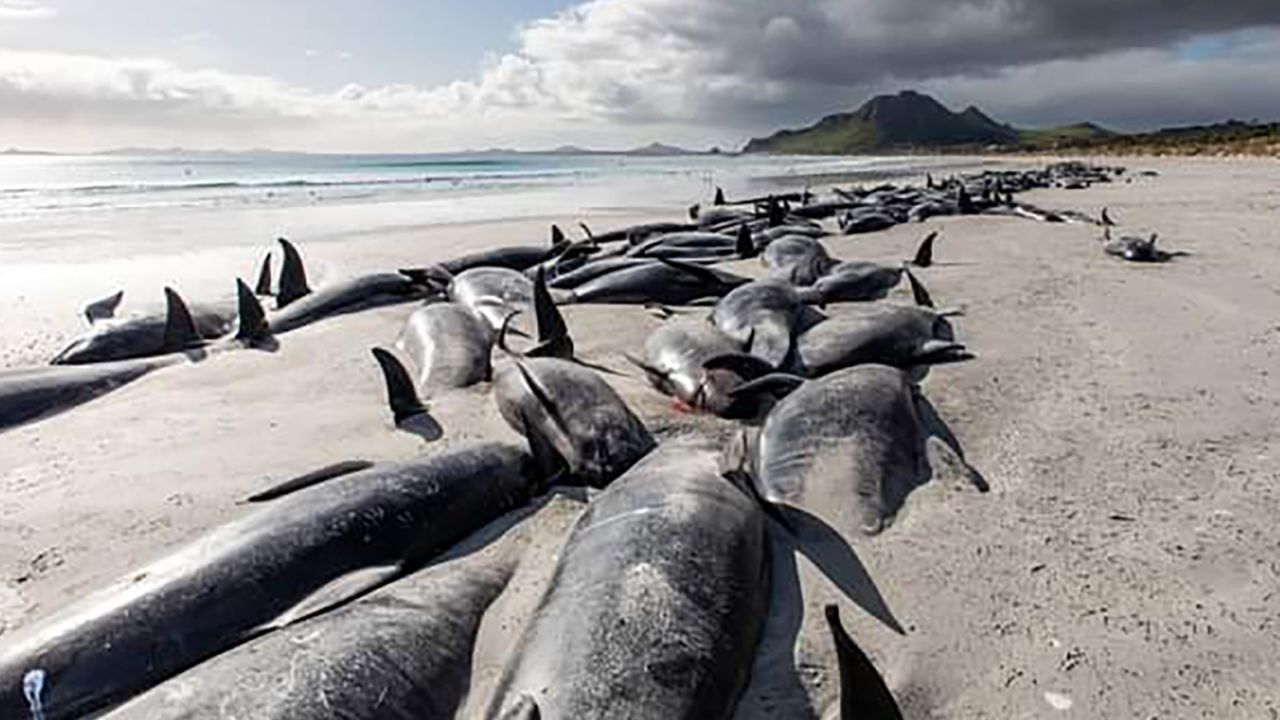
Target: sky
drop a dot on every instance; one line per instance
(440, 75)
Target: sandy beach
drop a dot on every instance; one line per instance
(1127, 417)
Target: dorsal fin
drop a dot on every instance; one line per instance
(401, 394)
(587, 231)
(553, 333)
(918, 291)
(557, 236)
(293, 276)
(263, 287)
(1106, 218)
(745, 246)
(863, 694)
(777, 214)
(253, 326)
(719, 197)
(924, 255)
(179, 329)
(694, 211)
(963, 201)
(104, 308)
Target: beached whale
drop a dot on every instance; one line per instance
(576, 424)
(142, 336)
(673, 360)
(28, 394)
(656, 603)
(402, 652)
(670, 282)
(765, 316)
(797, 259)
(298, 554)
(879, 333)
(448, 345)
(1136, 249)
(492, 294)
(604, 266)
(849, 447)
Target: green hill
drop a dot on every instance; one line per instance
(907, 120)
(913, 122)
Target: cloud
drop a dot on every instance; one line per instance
(702, 71)
(25, 10)
(689, 58)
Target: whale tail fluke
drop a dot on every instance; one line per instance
(293, 276)
(402, 396)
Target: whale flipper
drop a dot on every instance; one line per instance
(315, 477)
(293, 276)
(401, 395)
(340, 591)
(780, 384)
(918, 290)
(104, 308)
(863, 695)
(179, 329)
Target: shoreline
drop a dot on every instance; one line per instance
(1127, 418)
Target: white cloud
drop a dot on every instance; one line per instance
(693, 71)
(25, 10)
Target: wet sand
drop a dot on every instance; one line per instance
(1127, 418)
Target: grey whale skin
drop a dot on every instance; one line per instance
(248, 574)
(346, 296)
(449, 347)
(400, 653)
(655, 606)
(571, 417)
(850, 447)
(143, 336)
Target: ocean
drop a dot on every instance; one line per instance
(54, 199)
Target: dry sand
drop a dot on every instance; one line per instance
(1124, 565)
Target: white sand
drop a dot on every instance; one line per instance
(1127, 418)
